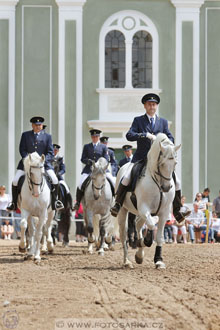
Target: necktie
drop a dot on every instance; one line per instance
(94, 146)
(152, 123)
(129, 159)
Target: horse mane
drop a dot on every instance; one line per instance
(35, 160)
(101, 165)
(155, 150)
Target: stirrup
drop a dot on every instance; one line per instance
(11, 206)
(59, 205)
(115, 209)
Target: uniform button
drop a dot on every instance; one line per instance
(35, 147)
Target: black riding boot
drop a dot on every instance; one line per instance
(13, 205)
(120, 196)
(79, 196)
(70, 200)
(56, 203)
(179, 216)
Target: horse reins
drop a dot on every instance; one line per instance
(31, 183)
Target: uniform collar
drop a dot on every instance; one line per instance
(154, 117)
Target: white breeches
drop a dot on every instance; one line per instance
(19, 173)
(127, 177)
(53, 176)
(65, 185)
(175, 230)
(82, 179)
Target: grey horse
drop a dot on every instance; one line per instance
(97, 201)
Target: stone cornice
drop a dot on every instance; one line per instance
(70, 3)
(8, 3)
(187, 3)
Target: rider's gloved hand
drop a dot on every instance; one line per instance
(151, 136)
(89, 162)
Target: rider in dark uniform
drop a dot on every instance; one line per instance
(128, 155)
(91, 152)
(144, 130)
(112, 160)
(41, 142)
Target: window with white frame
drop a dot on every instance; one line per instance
(128, 52)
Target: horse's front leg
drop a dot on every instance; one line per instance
(89, 216)
(158, 260)
(38, 235)
(139, 255)
(31, 233)
(123, 235)
(23, 224)
(102, 231)
(48, 227)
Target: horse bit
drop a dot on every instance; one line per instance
(31, 183)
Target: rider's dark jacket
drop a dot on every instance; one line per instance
(138, 132)
(41, 143)
(59, 167)
(90, 153)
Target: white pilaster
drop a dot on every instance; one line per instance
(7, 11)
(188, 11)
(70, 10)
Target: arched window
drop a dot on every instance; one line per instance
(114, 60)
(142, 60)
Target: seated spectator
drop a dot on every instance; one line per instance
(80, 229)
(17, 215)
(7, 229)
(216, 205)
(196, 221)
(201, 203)
(215, 225)
(4, 200)
(168, 231)
(179, 226)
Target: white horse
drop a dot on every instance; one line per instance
(154, 191)
(97, 202)
(35, 201)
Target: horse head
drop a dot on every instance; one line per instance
(163, 160)
(98, 176)
(34, 169)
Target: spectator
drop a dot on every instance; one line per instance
(168, 231)
(201, 203)
(180, 225)
(80, 229)
(205, 196)
(196, 220)
(215, 225)
(216, 205)
(17, 219)
(7, 229)
(4, 200)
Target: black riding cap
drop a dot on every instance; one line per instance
(151, 97)
(37, 120)
(127, 147)
(95, 132)
(56, 146)
(104, 139)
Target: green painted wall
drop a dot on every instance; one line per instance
(70, 104)
(4, 101)
(187, 109)
(162, 13)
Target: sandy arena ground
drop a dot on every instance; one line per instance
(70, 284)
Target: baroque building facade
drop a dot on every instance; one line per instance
(86, 64)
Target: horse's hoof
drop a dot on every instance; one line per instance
(101, 253)
(149, 238)
(138, 259)
(36, 261)
(51, 251)
(129, 265)
(22, 250)
(44, 252)
(29, 257)
(160, 265)
(90, 252)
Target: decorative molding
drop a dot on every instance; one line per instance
(7, 11)
(125, 91)
(184, 16)
(187, 3)
(70, 3)
(70, 10)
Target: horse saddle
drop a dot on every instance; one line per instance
(136, 173)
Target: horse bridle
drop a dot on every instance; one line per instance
(160, 174)
(31, 183)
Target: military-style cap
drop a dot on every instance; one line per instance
(56, 146)
(95, 132)
(37, 120)
(151, 97)
(127, 147)
(104, 139)
(111, 148)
